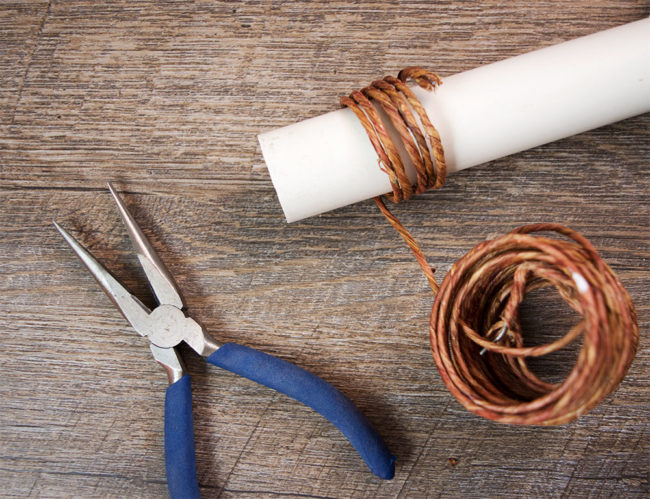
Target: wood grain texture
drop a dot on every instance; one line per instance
(166, 99)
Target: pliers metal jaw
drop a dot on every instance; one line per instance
(167, 325)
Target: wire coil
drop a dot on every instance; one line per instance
(476, 307)
(480, 296)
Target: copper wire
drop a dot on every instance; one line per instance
(476, 307)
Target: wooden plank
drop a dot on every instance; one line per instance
(167, 99)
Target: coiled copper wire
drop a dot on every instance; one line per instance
(476, 307)
(480, 296)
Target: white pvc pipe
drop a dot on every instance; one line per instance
(482, 114)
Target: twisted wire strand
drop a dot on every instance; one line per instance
(476, 307)
(396, 100)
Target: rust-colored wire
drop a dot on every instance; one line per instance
(480, 296)
(476, 306)
(396, 99)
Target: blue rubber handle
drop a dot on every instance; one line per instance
(314, 392)
(179, 441)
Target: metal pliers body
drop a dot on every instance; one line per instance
(167, 325)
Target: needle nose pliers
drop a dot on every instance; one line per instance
(167, 325)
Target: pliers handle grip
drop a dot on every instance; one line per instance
(283, 377)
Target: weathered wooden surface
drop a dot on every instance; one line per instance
(166, 99)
